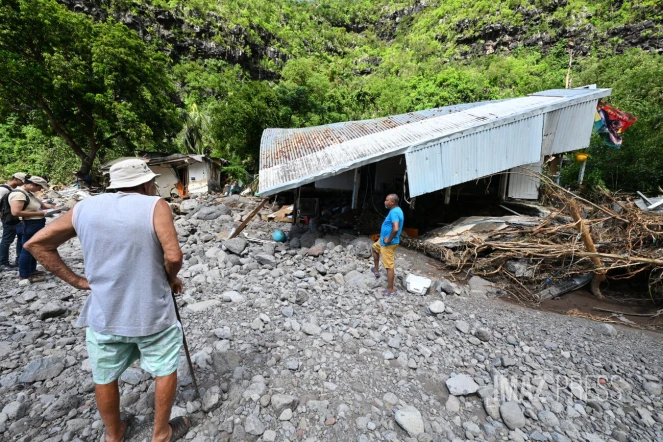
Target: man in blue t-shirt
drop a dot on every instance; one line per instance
(390, 236)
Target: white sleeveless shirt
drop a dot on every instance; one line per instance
(124, 264)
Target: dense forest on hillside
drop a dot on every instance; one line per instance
(209, 76)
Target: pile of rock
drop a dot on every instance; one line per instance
(294, 342)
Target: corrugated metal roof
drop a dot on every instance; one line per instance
(293, 157)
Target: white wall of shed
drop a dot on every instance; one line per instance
(343, 181)
(166, 181)
(198, 176)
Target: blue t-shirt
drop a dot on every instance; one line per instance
(395, 215)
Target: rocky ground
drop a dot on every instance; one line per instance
(295, 342)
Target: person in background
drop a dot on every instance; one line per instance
(9, 229)
(390, 236)
(32, 211)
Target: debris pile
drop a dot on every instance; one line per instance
(614, 240)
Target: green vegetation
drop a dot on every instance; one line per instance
(95, 85)
(303, 63)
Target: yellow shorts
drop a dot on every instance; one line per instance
(388, 254)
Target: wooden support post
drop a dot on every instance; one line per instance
(599, 275)
(355, 188)
(504, 180)
(249, 217)
(447, 196)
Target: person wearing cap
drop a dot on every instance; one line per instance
(9, 230)
(132, 257)
(31, 210)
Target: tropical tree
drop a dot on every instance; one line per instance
(96, 85)
(195, 136)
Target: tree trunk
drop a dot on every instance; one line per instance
(599, 275)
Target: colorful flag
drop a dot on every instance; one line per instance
(610, 123)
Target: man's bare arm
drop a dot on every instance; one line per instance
(44, 247)
(172, 254)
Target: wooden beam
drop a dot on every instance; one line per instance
(246, 221)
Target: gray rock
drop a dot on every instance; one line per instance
(447, 287)
(453, 404)
(5, 350)
(209, 213)
(436, 307)
(232, 296)
(301, 296)
(280, 402)
(51, 310)
(461, 385)
(189, 205)
(42, 369)
(254, 425)
(211, 398)
(265, 259)
(390, 398)
(292, 364)
(652, 388)
(311, 329)
(606, 330)
(315, 251)
(492, 406)
(480, 288)
(512, 415)
(410, 420)
(202, 306)
(235, 245)
(133, 376)
(61, 407)
(484, 334)
(15, 410)
(548, 418)
(463, 326)
(287, 311)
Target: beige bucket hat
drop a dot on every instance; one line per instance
(19, 176)
(130, 173)
(37, 180)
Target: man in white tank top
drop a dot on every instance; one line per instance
(132, 257)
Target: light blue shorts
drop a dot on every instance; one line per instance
(110, 355)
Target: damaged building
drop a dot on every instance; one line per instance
(179, 174)
(444, 163)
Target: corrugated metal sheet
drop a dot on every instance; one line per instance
(569, 128)
(293, 157)
(523, 185)
(472, 156)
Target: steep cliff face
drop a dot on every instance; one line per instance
(180, 35)
(195, 35)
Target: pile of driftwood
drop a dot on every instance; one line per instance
(580, 239)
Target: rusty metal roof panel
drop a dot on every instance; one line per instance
(290, 158)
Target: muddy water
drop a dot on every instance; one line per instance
(584, 302)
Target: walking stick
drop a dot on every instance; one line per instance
(186, 347)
